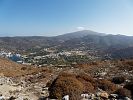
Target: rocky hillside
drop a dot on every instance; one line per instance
(20, 82)
(94, 80)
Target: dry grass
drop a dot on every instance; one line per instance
(11, 69)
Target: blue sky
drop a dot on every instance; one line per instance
(53, 17)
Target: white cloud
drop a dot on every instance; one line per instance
(81, 28)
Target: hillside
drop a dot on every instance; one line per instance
(97, 78)
(18, 81)
(12, 69)
(123, 53)
(86, 40)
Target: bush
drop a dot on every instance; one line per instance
(130, 62)
(23, 68)
(118, 80)
(88, 82)
(129, 86)
(86, 78)
(65, 74)
(66, 85)
(106, 85)
(49, 83)
(123, 92)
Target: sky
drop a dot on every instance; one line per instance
(54, 17)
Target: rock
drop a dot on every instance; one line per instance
(12, 98)
(43, 98)
(126, 98)
(92, 96)
(66, 97)
(87, 96)
(113, 95)
(103, 95)
(2, 97)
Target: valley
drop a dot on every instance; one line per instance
(83, 65)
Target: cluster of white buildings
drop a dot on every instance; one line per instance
(57, 55)
(8, 54)
(5, 54)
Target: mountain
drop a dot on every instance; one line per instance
(100, 42)
(123, 53)
(78, 34)
(23, 43)
(27, 42)
(85, 40)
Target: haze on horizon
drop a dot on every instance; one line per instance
(54, 17)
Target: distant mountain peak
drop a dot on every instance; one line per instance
(79, 34)
(90, 32)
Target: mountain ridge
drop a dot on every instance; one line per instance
(67, 33)
(81, 39)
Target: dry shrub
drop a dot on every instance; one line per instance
(49, 83)
(88, 87)
(23, 68)
(86, 77)
(106, 85)
(94, 63)
(83, 65)
(67, 74)
(130, 62)
(88, 81)
(62, 74)
(123, 92)
(129, 86)
(66, 85)
(118, 80)
(45, 70)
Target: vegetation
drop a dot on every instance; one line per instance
(66, 86)
(129, 86)
(88, 82)
(123, 92)
(106, 85)
(118, 80)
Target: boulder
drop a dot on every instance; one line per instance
(66, 97)
(103, 95)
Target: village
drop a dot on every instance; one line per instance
(51, 57)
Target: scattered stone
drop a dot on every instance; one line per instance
(66, 97)
(103, 95)
(92, 96)
(43, 98)
(86, 96)
(126, 98)
(12, 98)
(2, 97)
